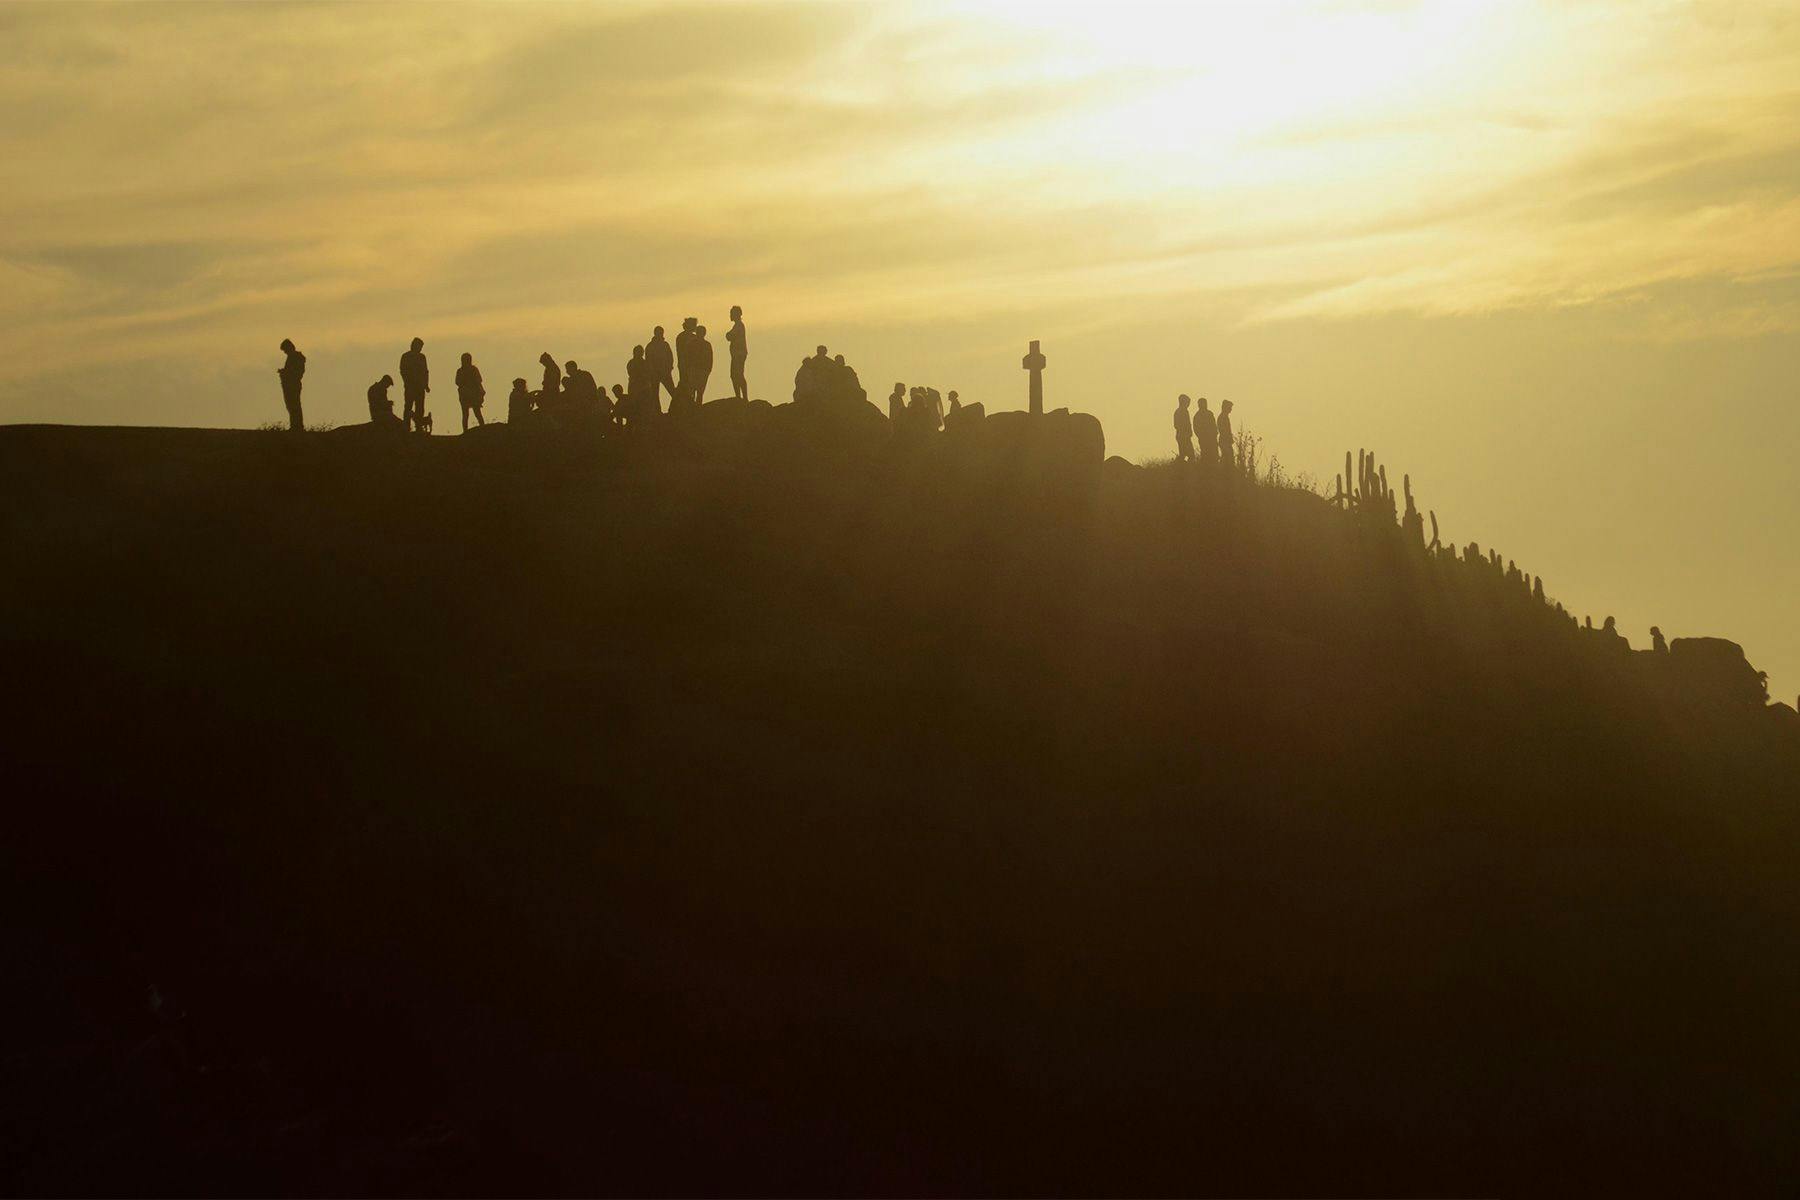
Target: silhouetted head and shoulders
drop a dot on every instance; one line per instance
(468, 375)
(413, 366)
(294, 363)
(658, 351)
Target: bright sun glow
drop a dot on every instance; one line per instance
(1236, 93)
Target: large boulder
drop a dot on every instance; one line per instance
(1059, 443)
(1716, 671)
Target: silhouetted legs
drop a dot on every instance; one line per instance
(415, 407)
(699, 392)
(467, 409)
(290, 395)
(740, 387)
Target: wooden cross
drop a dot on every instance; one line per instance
(1034, 362)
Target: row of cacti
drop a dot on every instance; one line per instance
(1370, 494)
(1365, 490)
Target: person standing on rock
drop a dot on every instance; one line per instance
(1227, 454)
(661, 357)
(291, 372)
(684, 356)
(1184, 430)
(1206, 434)
(640, 388)
(470, 391)
(550, 395)
(701, 352)
(415, 380)
(739, 342)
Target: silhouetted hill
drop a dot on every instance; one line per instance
(774, 808)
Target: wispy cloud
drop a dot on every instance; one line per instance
(203, 175)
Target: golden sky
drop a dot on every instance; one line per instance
(1544, 256)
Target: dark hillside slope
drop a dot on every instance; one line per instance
(493, 814)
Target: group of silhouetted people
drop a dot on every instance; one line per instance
(924, 410)
(568, 392)
(1200, 436)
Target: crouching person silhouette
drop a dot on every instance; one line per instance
(381, 405)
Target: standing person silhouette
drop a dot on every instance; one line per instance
(1206, 433)
(897, 406)
(291, 371)
(640, 388)
(661, 357)
(552, 390)
(415, 381)
(1184, 430)
(518, 403)
(684, 356)
(1226, 454)
(470, 391)
(739, 342)
(701, 352)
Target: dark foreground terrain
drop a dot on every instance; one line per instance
(522, 815)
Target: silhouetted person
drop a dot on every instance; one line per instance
(661, 357)
(897, 405)
(1184, 430)
(701, 351)
(1613, 638)
(845, 385)
(470, 391)
(381, 405)
(640, 386)
(1226, 454)
(551, 394)
(739, 343)
(518, 404)
(919, 417)
(581, 394)
(621, 405)
(684, 356)
(292, 371)
(813, 378)
(1657, 644)
(415, 381)
(1206, 433)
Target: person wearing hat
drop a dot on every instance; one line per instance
(291, 372)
